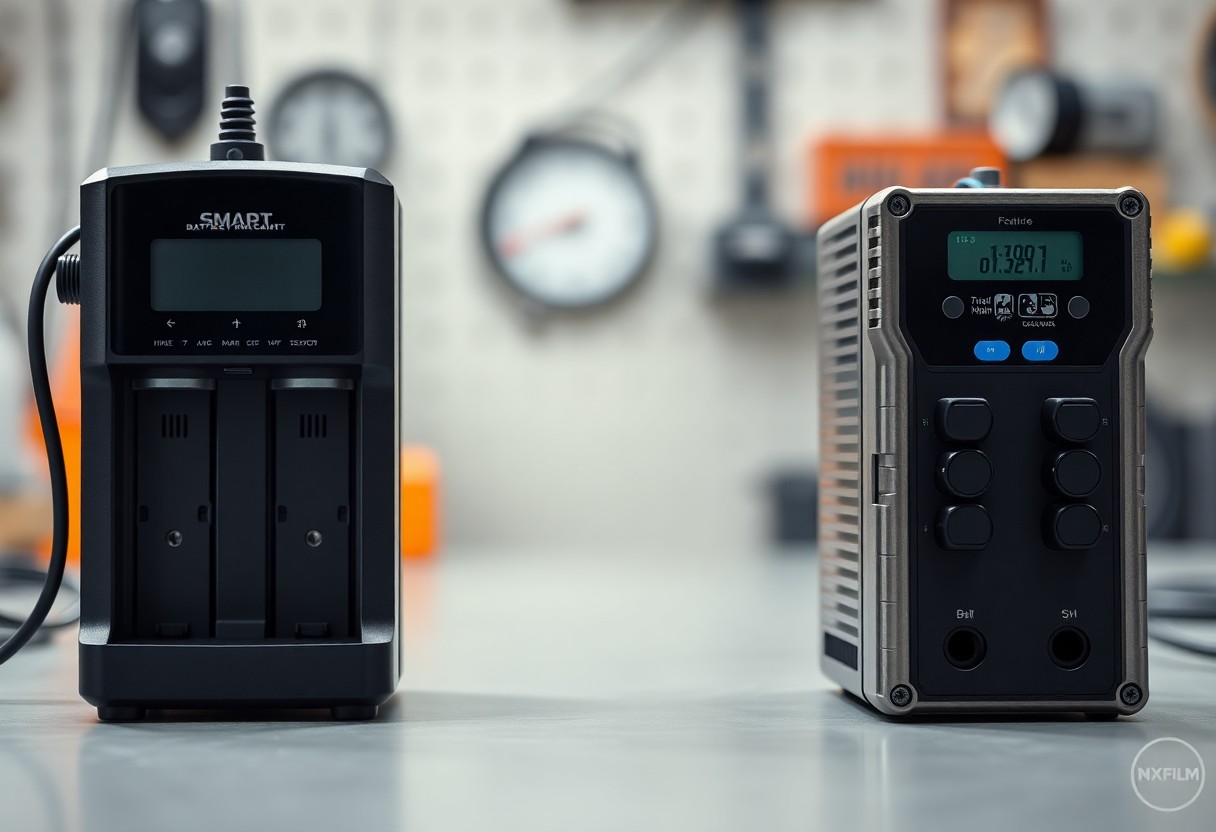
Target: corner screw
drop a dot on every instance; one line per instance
(1131, 205)
(1131, 694)
(174, 538)
(899, 205)
(901, 695)
(313, 538)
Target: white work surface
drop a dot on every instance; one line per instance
(615, 693)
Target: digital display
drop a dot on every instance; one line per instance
(269, 275)
(1014, 255)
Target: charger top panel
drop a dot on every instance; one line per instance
(235, 264)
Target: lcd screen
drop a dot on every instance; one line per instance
(1014, 255)
(269, 275)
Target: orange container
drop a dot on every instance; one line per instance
(65, 388)
(849, 168)
(420, 502)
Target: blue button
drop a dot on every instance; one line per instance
(991, 350)
(1040, 350)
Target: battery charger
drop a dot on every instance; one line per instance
(239, 393)
(982, 526)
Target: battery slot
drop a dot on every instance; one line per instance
(174, 553)
(312, 483)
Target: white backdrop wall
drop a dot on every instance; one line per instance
(656, 421)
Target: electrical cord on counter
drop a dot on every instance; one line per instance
(16, 572)
(1194, 601)
(35, 332)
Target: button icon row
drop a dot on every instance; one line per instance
(1031, 305)
(302, 323)
(1031, 350)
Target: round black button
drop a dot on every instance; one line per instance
(963, 420)
(1071, 420)
(952, 307)
(1073, 527)
(1078, 307)
(963, 527)
(964, 473)
(1075, 473)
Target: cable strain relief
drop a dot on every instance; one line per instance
(237, 139)
(67, 278)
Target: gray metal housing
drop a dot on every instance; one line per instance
(865, 382)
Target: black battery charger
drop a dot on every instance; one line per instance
(239, 392)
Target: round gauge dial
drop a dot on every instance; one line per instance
(569, 222)
(333, 118)
(1036, 112)
(1025, 115)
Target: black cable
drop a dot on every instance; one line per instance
(17, 573)
(1192, 601)
(1170, 636)
(35, 331)
(1195, 599)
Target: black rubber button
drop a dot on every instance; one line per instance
(1071, 420)
(1078, 307)
(952, 307)
(963, 527)
(963, 420)
(1073, 527)
(1075, 473)
(964, 473)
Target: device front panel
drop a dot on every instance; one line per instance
(235, 331)
(238, 267)
(1015, 316)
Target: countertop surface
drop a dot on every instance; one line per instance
(550, 691)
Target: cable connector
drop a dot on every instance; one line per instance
(67, 279)
(238, 140)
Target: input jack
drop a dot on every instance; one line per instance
(965, 648)
(1068, 648)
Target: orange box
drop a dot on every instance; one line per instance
(65, 390)
(849, 168)
(420, 502)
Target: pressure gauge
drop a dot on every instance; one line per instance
(1040, 112)
(569, 221)
(1030, 112)
(331, 117)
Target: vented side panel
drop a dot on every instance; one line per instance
(873, 271)
(840, 435)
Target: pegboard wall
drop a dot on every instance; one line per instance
(655, 422)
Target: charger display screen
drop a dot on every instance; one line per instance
(1014, 255)
(236, 275)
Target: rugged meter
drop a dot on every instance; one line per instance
(982, 453)
(239, 383)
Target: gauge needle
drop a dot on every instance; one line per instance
(517, 242)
